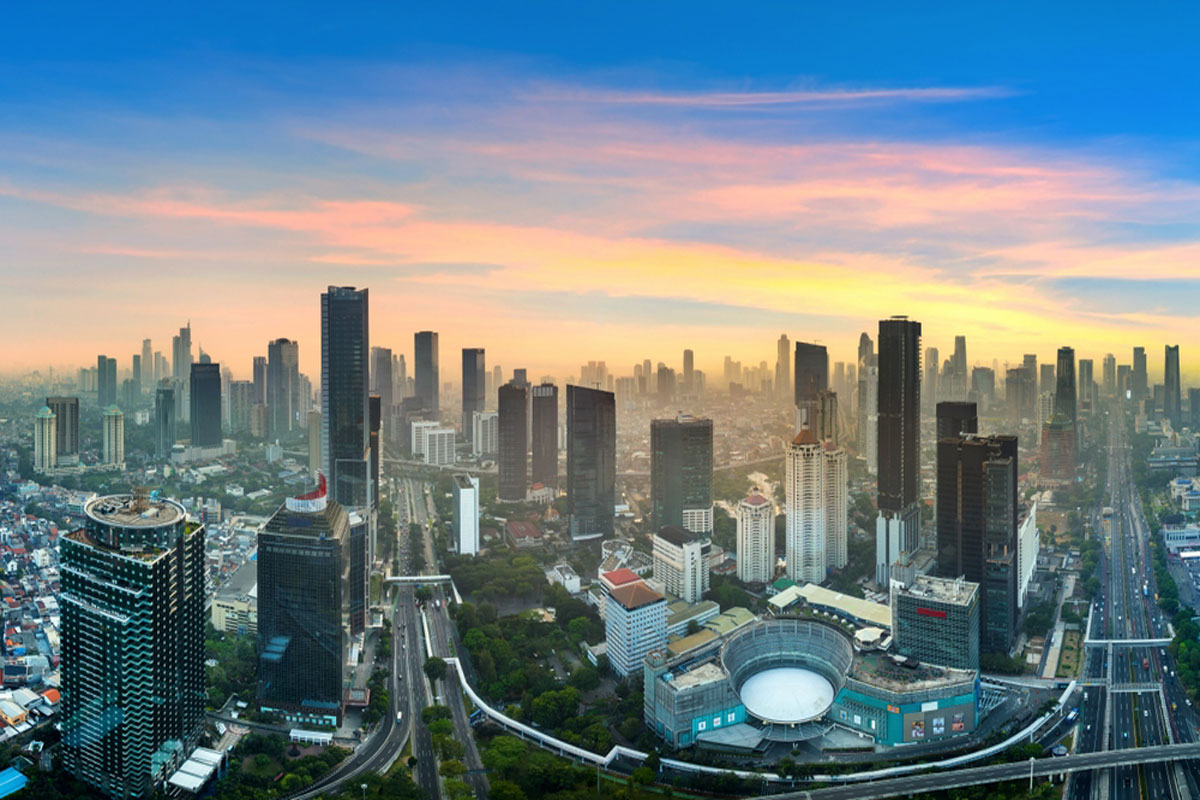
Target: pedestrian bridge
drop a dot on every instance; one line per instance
(1126, 642)
(416, 580)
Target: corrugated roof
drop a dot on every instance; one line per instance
(635, 595)
(873, 613)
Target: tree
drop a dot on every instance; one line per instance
(585, 679)
(506, 790)
(452, 769)
(435, 669)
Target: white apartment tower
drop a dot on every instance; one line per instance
(755, 539)
(681, 562)
(114, 436)
(466, 514)
(45, 440)
(807, 501)
(836, 509)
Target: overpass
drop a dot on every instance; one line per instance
(1034, 768)
(416, 580)
(1126, 642)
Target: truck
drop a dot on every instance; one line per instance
(1145, 663)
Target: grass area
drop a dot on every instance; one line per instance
(1068, 658)
(376, 589)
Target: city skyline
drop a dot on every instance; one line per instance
(535, 187)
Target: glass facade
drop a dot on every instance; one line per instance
(345, 416)
(133, 588)
(473, 386)
(591, 461)
(205, 399)
(425, 373)
(680, 469)
(545, 435)
(513, 462)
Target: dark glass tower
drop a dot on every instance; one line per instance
(303, 608)
(977, 526)
(1172, 397)
(811, 372)
(382, 382)
(474, 387)
(591, 461)
(205, 399)
(1138, 377)
(345, 416)
(545, 435)
(66, 409)
(164, 421)
(513, 462)
(899, 407)
(1066, 405)
(260, 380)
(681, 464)
(106, 381)
(956, 418)
(283, 387)
(132, 644)
(425, 346)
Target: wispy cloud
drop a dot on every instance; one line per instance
(761, 99)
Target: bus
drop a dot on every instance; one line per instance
(1073, 715)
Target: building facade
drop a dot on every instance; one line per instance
(474, 394)
(45, 440)
(113, 424)
(635, 623)
(755, 539)
(806, 503)
(544, 436)
(205, 399)
(681, 562)
(937, 621)
(591, 462)
(284, 404)
(898, 526)
(513, 460)
(345, 382)
(426, 369)
(681, 464)
(466, 514)
(66, 414)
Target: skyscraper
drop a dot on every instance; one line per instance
(1138, 377)
(898, 526)
(164, 422)
(591, 461)
(1110, 375)
(106, 381)
(931, 377)
(181, 353)
(474, 396)
(113, 437)
(783, 366)
(681, 470)
(133, 681)
(1172, 397)
(205, 398)
(810, 378)
(805, 489)
(1087, 384)
(283, 389)
(545, 435)
(260, 380)
(66, 413)
(956, 418)
(1046, 382)
(1066, 404)
(512, 462)
(45, 440)
(303, 608)
(345, 380)
(241, 405)
(149, 376)
(689, 368)
(383, 382)
(425, 346)
(867, 403)
(755, 539)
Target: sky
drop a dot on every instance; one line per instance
(615, 181)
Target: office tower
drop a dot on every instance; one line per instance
(149, 372)
(983, 386)
(977, 525)
(1139, 387)
(783, 366)
(304, 608)
(591, 461)
(1172, 399)
(136, 377)
(807, 507)
(837, 508)
(512, 462)
(666, 385)
(1109, 375)
(345, 378)
(681, 473)
(1019, 386)
(106, 381)
(314, 441)
(937, 621)
(466, 514)
(1087, 385)
(755, 539)
(375, 414)
(439, 446)
(1046, 380)
(839, 378)
(1065, 403)
(420, 431)
(283, 401)
(1124, 381)
(260, 380)
(128, 396)
(545, 435)
(133, 682)
(520, 377)
(206, 405)
(181, 357)
(226, 385)
(689, 369)
(383, 380)
(1194, 409)
(956, 418)
(868, 394)
(898, 526)
(66, 418)
(45, 440)
(113, 424)
(810, 377)
(485, 434)
(821, 414)
(241, 404)
(164, 422)
(635, 618)
(681, 562)
(160, 368)
(425, 346)
(474, 396)
(497, 382)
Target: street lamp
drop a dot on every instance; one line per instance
(1030, 775)
(363, 786)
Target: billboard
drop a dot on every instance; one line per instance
(935, 723)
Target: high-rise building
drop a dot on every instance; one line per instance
(106, 381)
(45, 440)
(635, 618)
(810, 377)
(164, 422)
(314, 441)
(1110, 375)
(241, 405)
(66, 413)
(181, 353)
(439, 446)
(113, 424)
(689, 369)
(513, 460)
(425, 346)
(931, 377)
(149, 376)
(1124, 381)
(867, 402)
(755, 539)
(1066, 403)
(544, 436)
(304, 608)
(977, 526)
(1058, 452)
(808, 508)
(1140, 384)
(466, 514)
(837, 506)
(1194, 409)
(205, 398)
(283, 390)
(681, 562)
(136, 377)
(898, 527)
(485, 433)
(345, 380)
(783, 366)
(956, 418)
(133, 682)
(666, 385)
(591, 462)
(375, 413)
(1087, 385)
(1046, 381)
(1172, 397)
(681, 470)
(474, 397)
(937, 621)
(260, 380)
(383, 383)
